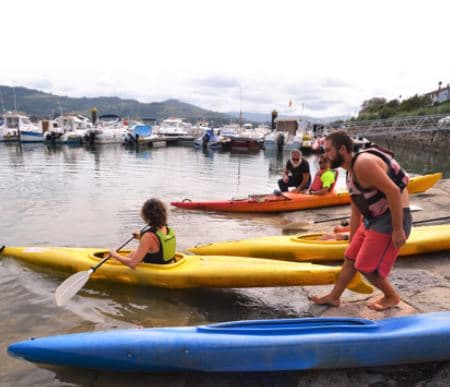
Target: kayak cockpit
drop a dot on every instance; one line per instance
(101, 254)
(291, 326)
(315, 239)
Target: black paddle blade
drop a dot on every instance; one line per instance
(2, 248)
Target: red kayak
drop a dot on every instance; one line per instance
(289, 201)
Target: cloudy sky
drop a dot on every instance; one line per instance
(325, 56)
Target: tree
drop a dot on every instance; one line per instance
(372, 105)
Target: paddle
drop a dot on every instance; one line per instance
(75, 282)
(260, 196)
(431, 220)
(279, 193)
(299, 226)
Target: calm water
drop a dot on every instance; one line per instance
(68, 196)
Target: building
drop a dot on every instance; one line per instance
(442, 94)
(291, 124)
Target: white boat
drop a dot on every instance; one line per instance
(279, 140)
(67, 129)
(139, 133)
(19, 127)
(9, 130)
(175, 127)
(212, 140)
(109, 129)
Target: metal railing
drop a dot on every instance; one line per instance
(400, 125)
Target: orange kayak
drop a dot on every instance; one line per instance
(289, 201)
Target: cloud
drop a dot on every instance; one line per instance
(215, 82)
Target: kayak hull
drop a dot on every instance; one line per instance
(190, 271)
(309, 247)
(290, 201)
(259, 345)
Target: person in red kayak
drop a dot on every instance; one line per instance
(157, 244)
(325, 178)
(380, 219)
(296, 173)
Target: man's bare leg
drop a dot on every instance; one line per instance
(390, 298)
(345, 276)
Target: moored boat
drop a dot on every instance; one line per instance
(309, 247)
(109, 129)
(9, 131)
(139, 133)
(189, 271)
(258, 345)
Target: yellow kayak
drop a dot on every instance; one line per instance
(190, 271)
(309, 247)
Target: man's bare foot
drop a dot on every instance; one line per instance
(325, 300)
(385, 302)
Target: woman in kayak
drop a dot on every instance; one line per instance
(157, 243)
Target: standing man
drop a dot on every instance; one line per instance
(296, 174)
(380, 217)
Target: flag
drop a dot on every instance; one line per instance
(290, 103)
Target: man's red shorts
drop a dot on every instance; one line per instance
(372, 251)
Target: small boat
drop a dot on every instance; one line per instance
(18, 127)
(67, 129)
(243, 346)
(109, 129)
(140, 133)
(309, 247)
(189, 271)
(176, 131)
(9, 131)
(211, 140)
(290, 201)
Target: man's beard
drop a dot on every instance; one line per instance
(337, 161)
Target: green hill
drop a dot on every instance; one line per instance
(35, 103)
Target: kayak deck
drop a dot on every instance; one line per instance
(243, 346)
(309, 247)
(190, 271)
(291, 201)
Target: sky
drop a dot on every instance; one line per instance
(325, 56)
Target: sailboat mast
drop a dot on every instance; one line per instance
(240, 107)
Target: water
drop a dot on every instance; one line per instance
(71, 196)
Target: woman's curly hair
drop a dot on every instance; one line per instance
(154, 213)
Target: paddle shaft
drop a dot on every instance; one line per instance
(331, 219)
(431, 220)
(413, 209)
(95, 267)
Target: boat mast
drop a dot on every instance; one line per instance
(15, 101)
(240, 107)
(2, 103)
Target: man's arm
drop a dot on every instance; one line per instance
(369, 173)
(305, 179)
(355, 220)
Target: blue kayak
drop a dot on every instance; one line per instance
(259, 345)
